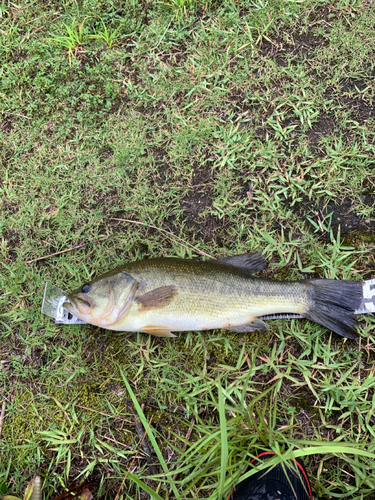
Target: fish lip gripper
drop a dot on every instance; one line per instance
(53, 300)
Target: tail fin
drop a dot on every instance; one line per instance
(333, 305)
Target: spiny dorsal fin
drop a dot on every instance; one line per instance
(159, 297)
(257, 324)
(248, 262)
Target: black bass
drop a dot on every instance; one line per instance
(165, 295)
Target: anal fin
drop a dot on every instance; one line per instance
(158, 331)
(257, 324)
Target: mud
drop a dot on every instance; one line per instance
(6, 125)
(342, 215)
(197, 203)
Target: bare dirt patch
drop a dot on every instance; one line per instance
(342, 214)
(352, 97)
(299, 44)
(164, 169)
(199, 197)
(6, 125)
(324, 127)
(207, 227)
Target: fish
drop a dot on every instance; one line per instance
(164, 295)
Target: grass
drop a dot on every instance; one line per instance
(217, 128)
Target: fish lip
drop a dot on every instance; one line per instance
(79, 298)
(82, 298)
(69, 306)
(80, 306)
(72, 308)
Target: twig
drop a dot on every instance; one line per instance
(187, 437)
(67, 250)
(190, 187)
(131, 465)
(2, 417)
(159, 42)
(117, 442)
(44, 15)
(169, 235)
(144, 442)
(16, 114)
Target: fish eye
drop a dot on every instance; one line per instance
(85, 288)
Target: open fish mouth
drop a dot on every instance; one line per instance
(70, 308)
(78, 305)
(73, 309)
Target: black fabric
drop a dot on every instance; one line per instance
(266, 490)
(273, 485)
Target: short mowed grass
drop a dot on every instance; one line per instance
(136, 129)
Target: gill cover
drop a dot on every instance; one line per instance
(105, 300)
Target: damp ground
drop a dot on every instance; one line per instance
(133, 130)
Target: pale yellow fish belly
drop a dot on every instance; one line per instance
(187, 314)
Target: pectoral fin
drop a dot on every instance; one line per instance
(159, 297)
(248, 262)
(158, 331)
(258, 324)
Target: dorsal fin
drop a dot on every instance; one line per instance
(248, 262)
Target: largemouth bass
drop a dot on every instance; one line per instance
(165, 295)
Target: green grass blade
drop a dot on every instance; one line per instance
(224, 441)
(144, 486)
(150, 433)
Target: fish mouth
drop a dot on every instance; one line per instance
(74, 311)
(78, 306)
(70, 307)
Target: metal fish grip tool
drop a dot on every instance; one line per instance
(53, 300)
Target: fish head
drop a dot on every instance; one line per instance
(103, 301)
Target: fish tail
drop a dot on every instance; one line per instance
(333, 304)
